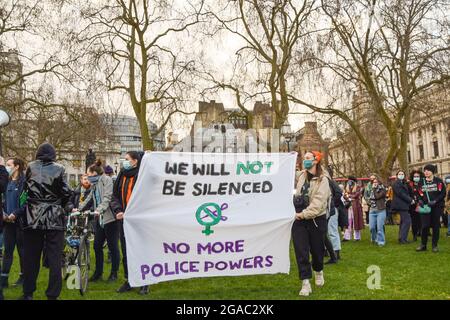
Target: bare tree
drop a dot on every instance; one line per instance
(136, 46)
(272, 33)
(393, 51)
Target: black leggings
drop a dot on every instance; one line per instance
(12, 237)
(110, 233)
(308, 237)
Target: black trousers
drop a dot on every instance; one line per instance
(124, 249)
(12, 237)
(308, 237)
(433, 220)
(416, 225)
(33, 243)
(110, 233)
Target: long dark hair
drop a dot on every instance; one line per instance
(413, 172)
(19, 162)
(97, 167)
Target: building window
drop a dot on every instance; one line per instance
(419, 133)
(421, 154)
(409, 156)
(436, 149)
(433, 128)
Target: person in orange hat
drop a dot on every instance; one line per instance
(310, 227)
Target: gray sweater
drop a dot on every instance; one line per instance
(104, 188)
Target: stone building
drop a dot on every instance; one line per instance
(429, 136)
(229, 129)
(308, 138)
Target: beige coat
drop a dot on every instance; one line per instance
(319, 195)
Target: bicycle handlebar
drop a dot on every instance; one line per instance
(82, 213)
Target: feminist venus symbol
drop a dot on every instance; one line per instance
(215, 215)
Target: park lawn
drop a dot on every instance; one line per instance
(405, 274)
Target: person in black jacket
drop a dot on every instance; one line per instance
(4, 178)
(401, 202)
(43, 220)
(123, 188)
(434, 189)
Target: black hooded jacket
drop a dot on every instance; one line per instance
(48, 192)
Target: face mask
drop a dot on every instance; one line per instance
(308, 164)
(10, 171)
(127, 165)
(447, 181)
(401, 177)
(93, 179)
(416, 179)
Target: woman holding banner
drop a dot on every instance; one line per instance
(123, 188)
(308, 231)
(106, 226)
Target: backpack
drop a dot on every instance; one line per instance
(335, 200)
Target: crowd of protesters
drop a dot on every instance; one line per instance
(417, 204)
(36, 199)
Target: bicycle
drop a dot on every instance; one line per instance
(76, 248)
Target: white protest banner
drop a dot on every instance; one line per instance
(206, 214)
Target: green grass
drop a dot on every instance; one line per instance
(405, 274)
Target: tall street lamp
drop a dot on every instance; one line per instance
(5, 119)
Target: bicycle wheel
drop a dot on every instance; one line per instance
(83, 263)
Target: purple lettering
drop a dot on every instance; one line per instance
(235, 265)
(269, 262)
(258, 262)
(218, 247)
(145, 269)
(193, 266)
(171, 247)
(240, 246)
(220, 264)
(157, 273)
(185, 270)
(247, 264)
(208, 265)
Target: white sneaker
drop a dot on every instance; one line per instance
(306, 288)
(320, 281)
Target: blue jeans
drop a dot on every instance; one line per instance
(376, 225)
(333, 232)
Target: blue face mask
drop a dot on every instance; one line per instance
(308, 164)
(416, 179)
(401, 177)
(447, 181)
(93, 179)
(127, 165)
